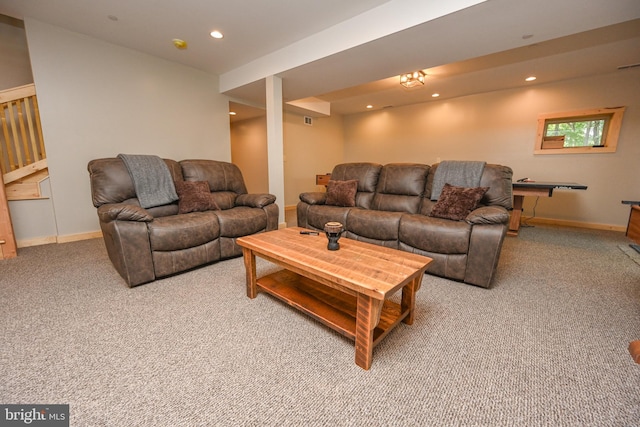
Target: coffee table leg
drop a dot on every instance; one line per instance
(367, 318)
(409, 299)
(250, 266)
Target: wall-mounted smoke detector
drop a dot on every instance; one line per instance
(308, 121)
(179, 44)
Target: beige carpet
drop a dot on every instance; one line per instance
(546, 346)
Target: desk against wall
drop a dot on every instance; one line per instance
(633, 227)
(538, 189)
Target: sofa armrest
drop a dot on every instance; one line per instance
(255, 200)
(123, 212)
(314, 198)
(488, 215)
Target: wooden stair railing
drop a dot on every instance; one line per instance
(21, 141)
(23, 162)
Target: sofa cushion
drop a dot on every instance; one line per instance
(367, 176)
(194, 196)
(342, 193)
(177, 232)
(456, 203)
(400, 187)
(241, 221)
(221, 176)
(435, 235)
(111, 182)
(376, 225)
(498, 179)
(319, 215)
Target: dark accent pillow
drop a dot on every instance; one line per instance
(195, 196)
(456, 203)
(342, 193)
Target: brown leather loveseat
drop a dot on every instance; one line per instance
(146, 244)
(393, 207)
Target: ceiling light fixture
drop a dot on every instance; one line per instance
(435, 95)
(414, 79)
(369, 106)
(216, 34)
(530, 78)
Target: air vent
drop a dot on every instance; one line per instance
(624, 67)
(308, 121)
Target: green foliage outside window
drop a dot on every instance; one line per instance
(578, 133)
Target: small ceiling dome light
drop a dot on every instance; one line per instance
(369, 106)
(530, 78)
(216, 34)
(414, 79)
(435, 95)
(232, 113)
(179, 44)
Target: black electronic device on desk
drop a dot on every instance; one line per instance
(529, 187)
(529, 183)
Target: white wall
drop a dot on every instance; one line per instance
(15, 68)
(249, 152)
(97, 100)
(500, 127)
(308, 150)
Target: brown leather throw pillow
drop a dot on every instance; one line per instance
(195, 196)
(456, 203)
(342, 193)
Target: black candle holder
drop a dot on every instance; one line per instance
(333, 230)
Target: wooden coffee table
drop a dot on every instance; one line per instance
(347, 289)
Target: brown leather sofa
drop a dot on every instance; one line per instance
(146, 244)
(393, 206)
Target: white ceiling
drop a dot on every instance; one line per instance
(349, 53)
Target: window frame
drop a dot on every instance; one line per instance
(611, 131)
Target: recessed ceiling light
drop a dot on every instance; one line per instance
(530, 78)
(435, 95)
(369, 106)
(216, 34)
(232, 113)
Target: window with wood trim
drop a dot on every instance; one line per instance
(579, 132)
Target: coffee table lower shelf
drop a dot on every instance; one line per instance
(332, 307)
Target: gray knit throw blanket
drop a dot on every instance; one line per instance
(151, 179)
(459, 173)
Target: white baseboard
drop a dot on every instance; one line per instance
(575, 224)
(79, 236)
(37, 241)
(25, 243)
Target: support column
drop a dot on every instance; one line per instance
(275, 143)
